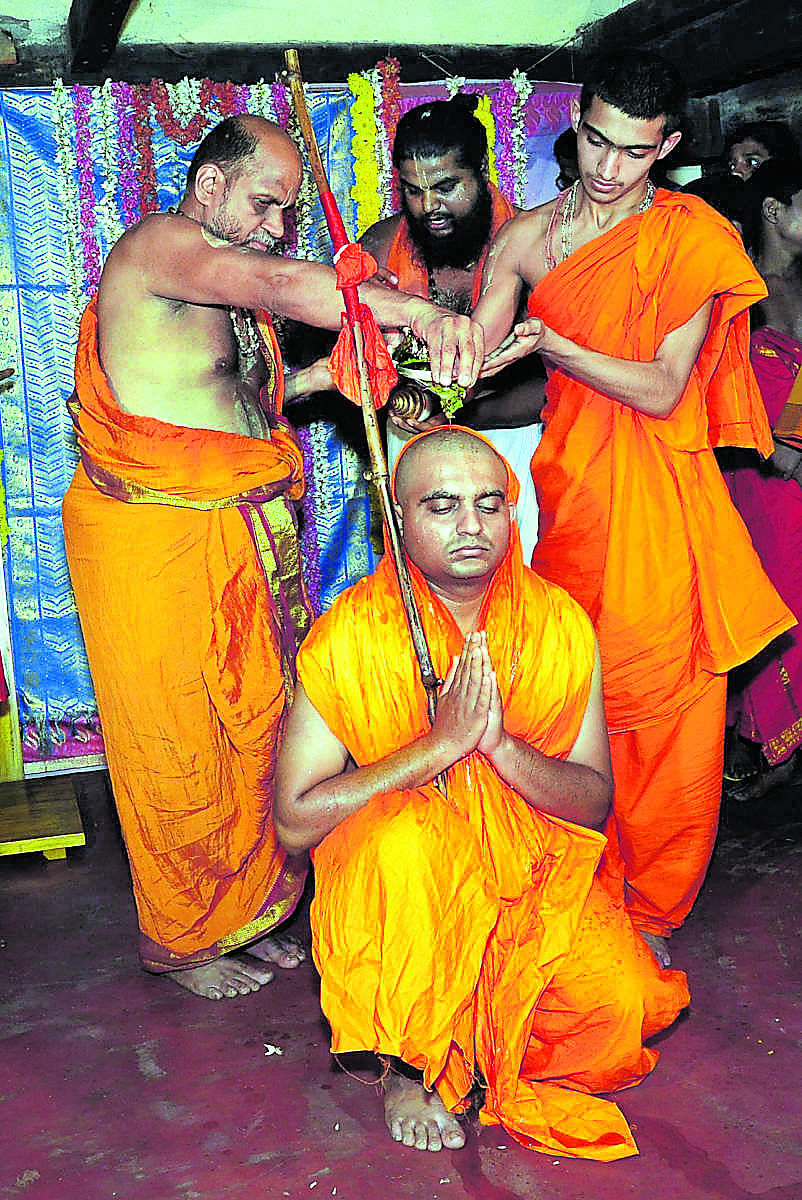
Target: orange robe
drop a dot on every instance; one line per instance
(184, 561)
(637, 524)
(469, 929)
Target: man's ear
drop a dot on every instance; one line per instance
(669, 143)
(576, 115)
(770, 209)
(399, 516)
(513, 510)
(210, 183)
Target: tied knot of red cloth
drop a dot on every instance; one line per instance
(354, 265)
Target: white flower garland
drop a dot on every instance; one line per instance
(68, 196)
(108, 213)
(523, 90)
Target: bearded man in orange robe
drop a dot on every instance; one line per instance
(458, 925)
(181, 542)
(639, 307)
(436, 247)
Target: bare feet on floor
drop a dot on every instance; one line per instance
(419, 1118)
(278, 948)
(658, 946)
(224, 979)
(240, 974)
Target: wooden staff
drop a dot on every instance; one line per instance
(378, 462)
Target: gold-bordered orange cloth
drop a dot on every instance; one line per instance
(184, 560)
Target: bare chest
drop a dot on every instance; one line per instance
(452, 288)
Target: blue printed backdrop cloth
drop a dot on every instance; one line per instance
(78, 167)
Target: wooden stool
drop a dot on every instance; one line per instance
(40, 814)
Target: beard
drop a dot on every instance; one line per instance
(226, 228)
(462, 246)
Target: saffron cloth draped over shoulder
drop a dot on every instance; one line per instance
(466, 930)
(636, 521)
(637, 524)
(183, 555)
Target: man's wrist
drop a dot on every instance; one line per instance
(421, 311)
(500, 757)
(441, 752)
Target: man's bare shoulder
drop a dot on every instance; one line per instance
(144, 244)
(379, 238)
(157, 231)
(521, 241)
(530, 224)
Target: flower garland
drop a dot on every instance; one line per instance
(182, 109)
(365, 190)
(389, 70)
(82, 100)
(65, 182)
(128, 181)
(259, 100)
(306, 436)
(107, 211)
(381, 143)
(504, 107)
(523, 90)
(143, 139)
(484, 113)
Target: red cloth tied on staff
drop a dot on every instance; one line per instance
(354, 265)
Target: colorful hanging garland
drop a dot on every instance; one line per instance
(128, 181)
(82, 99)
(484, 113)
(365, 192)
(502, 109)
(64, 130)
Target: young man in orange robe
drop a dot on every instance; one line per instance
(181, 541)
(457, 922)
(639, 307)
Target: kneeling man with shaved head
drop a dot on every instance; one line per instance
(459, 928)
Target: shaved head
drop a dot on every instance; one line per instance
(452, 498)
(236, 140)
(416, 462)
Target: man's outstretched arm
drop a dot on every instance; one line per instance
(653, 387)
(180, 263)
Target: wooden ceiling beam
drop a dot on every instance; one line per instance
(93, 28)
(324, 63)
(716, 45)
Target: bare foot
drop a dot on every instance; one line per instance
(658, 946)
(281, 949)
(225, 978)
(419, 1118)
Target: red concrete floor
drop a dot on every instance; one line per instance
(117, 1084)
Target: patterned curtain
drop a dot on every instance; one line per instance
(78, 167)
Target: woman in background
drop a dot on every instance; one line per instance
(765, 707)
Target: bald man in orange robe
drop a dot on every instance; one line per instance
(458, 926)
(181, 540)
(639, 308)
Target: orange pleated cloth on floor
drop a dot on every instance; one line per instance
(637, 523)
(469, 928)
(184, 561)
